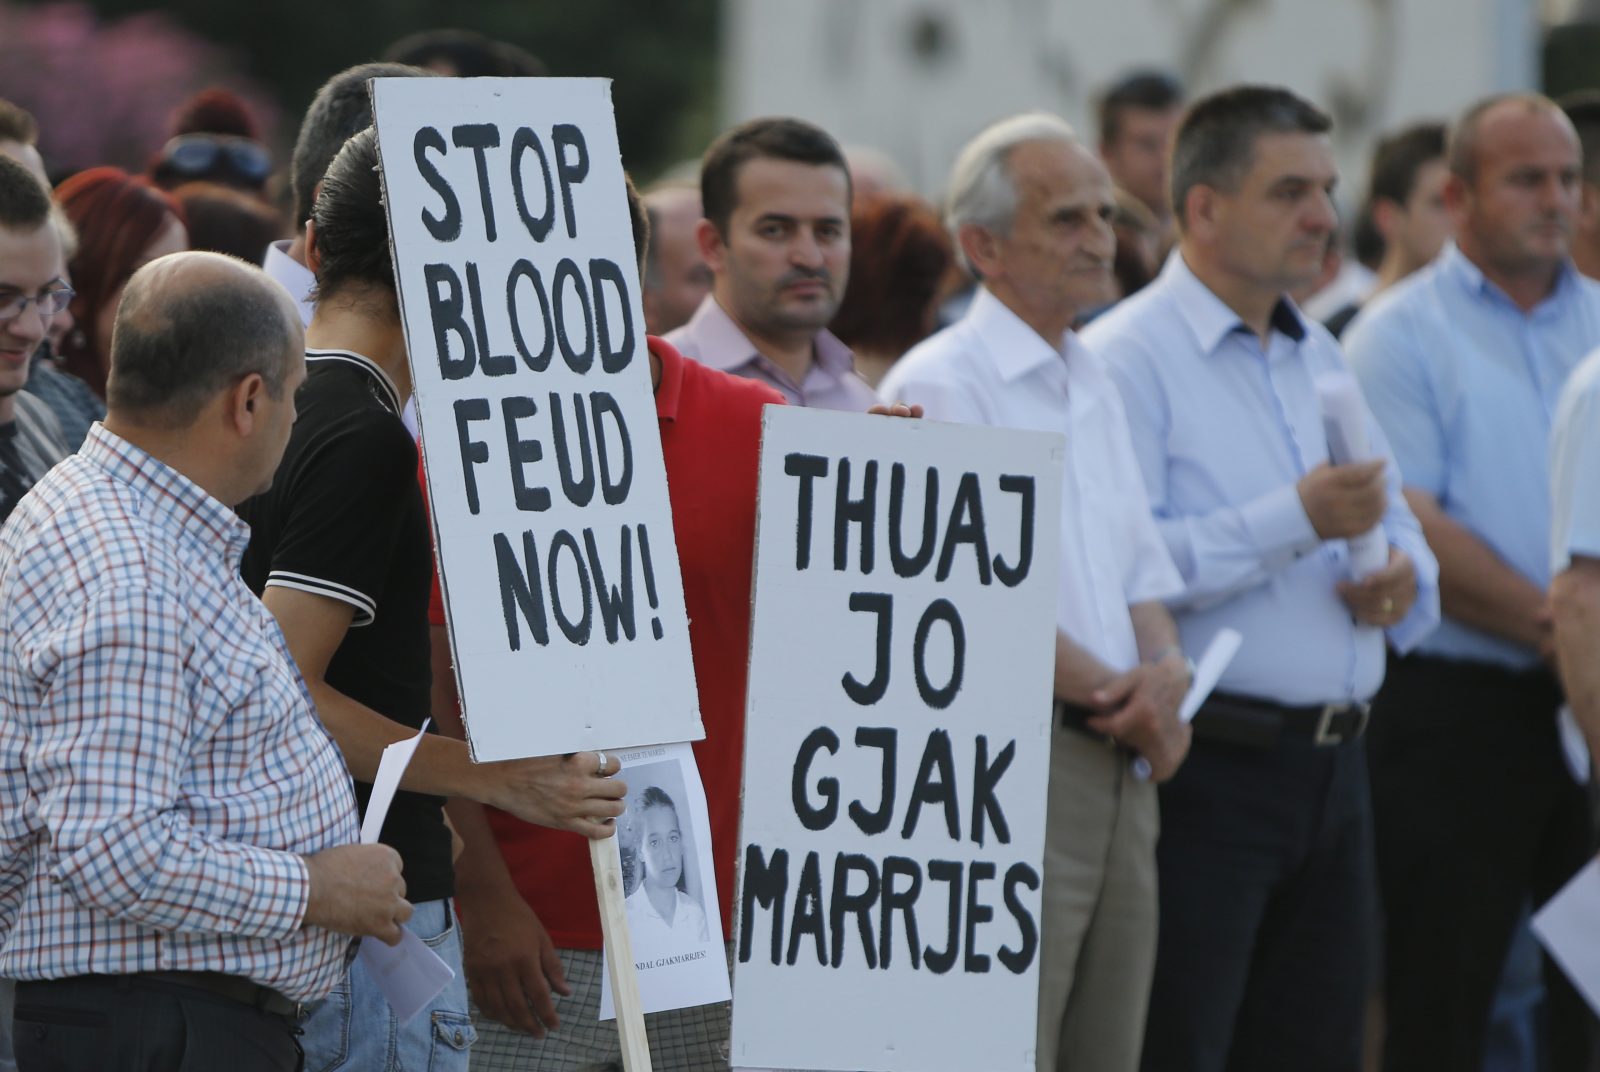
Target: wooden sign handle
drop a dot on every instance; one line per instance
(619, 954)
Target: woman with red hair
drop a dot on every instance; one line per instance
(900, 269)
(122, 224)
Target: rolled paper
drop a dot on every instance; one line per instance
(1344, 423)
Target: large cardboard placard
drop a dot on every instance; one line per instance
(897, 745)
(519, 288)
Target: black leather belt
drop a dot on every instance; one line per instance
(233, 987)
(1246, 720)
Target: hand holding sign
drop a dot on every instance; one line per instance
(561, 792)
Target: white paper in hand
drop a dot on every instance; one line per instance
(409, 974)
(1569, 927)
(1208, 671)
(1344, 421)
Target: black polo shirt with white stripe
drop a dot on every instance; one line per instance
(344, 519)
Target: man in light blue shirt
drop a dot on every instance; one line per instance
(1575, 545)
(1265, 851)
(1462, 364)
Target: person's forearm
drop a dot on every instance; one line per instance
(1476, 586)
(1078, 672)
(441, 765)
(1575, 604)
(1154, 630)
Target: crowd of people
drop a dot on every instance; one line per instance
(219, 604)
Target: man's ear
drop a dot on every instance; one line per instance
(242, 406)
(1457, 200)
(313, 254)
(981, 249)
(1386, 218)
(713, 250)
(1201, 211)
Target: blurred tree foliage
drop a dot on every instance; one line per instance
(660, 54)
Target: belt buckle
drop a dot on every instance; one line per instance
(1325, 734)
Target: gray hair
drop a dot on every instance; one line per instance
(982, 190)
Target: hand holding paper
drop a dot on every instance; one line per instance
(409, 974)
(1360, 490)
(1207, 672)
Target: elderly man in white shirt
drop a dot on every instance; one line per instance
(1030, 210)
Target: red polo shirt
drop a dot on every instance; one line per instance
(711, 437)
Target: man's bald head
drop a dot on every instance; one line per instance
(192, 325)
(1490, 118)
(676, 278)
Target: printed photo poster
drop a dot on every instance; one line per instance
(897, 745)
(674, 922)
(519, 289)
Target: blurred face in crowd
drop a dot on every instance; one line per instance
(1272, 232)
(30, 265)
(1518, 212)
(679, 279)
(1422, 225)
(1055, 260)
(782, 267)
(172, 238)
(662, 847)
(1137, 158)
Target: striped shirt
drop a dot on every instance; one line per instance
(162, 769)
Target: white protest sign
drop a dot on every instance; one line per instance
(518, 283)
(897, 745)
(674, 922)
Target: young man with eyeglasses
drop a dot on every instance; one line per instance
(31, 293)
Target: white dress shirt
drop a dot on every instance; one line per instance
(992, 368)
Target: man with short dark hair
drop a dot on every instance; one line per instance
(176, 866)
(341, 555)
(19, 137)
(1406, 201)
(1463, 364)
(676, 279)
(1138, 114)
(32, 291)
(776, 234)
(341, 108)
(1583, 109)
(1266, 842)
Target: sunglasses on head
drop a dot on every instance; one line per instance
(196, 155)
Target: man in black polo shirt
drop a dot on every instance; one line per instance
(340, 554)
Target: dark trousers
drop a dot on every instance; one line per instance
(123, 1023)
(1265, 865)
(1475, 813)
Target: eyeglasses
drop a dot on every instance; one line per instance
(49, 302)
(193, 155)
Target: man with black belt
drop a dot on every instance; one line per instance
(1030, 211)
(176, 866)
(1265, 851)
(340, 553)
(1463, 364)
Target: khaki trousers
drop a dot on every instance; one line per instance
(1098, 934)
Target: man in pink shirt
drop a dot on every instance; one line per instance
(776, 195)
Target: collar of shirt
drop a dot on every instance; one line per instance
(1015, 348)
(390, 392)
(293, 276)
(1455, 265)
(724, 345)
(1209, 318)
(670, 391)
(179, 504)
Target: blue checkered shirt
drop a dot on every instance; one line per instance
(162, 767)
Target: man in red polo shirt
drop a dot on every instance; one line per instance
(529, 916)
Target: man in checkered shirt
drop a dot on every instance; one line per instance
(176, 866)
